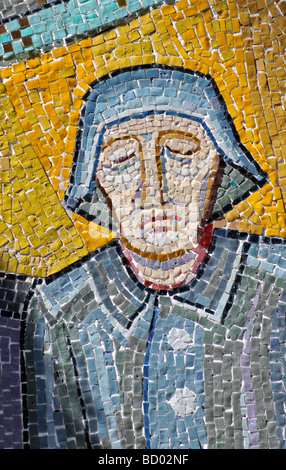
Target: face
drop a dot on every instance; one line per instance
(156, 174)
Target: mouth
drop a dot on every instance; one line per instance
(149, 220)
(152, 225)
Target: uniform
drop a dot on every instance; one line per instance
(118, 365)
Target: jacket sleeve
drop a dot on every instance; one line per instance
(53, 412)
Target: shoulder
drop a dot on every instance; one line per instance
(99, 283)
(268, 254)
(60, 296)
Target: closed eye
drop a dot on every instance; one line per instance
(120, 153)
(180, 146)
(175, 155)
(181, 152)
(125, 157)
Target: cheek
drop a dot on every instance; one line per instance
(188, 171)
(120, 189)
(120, 181)
(183, 192)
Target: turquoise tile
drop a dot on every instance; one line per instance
(121, 13)
(94, 23)
(12, 25)
(34, 19)
(8, 54)
(26, 32)
(133, 6)
(46, 13)
(51, 25)
(47, 37)
(76, 19)
(57, 9)
(82, 28)
(59, 33)
(71, 29)
(18, 47)
(4, 38)
(148, 3)
(91, 15)
(38, 28)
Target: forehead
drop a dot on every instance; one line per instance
(152, 124)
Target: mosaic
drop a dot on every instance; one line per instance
(142, 224)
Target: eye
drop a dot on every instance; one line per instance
(181, 147)
(119, 153)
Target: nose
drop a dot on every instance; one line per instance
(152, 174)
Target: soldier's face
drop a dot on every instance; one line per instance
(156, 173)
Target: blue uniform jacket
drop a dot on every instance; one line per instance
(112, 364)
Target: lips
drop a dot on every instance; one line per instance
(149, 220)
(147, 224)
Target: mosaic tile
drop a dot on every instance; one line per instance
(142, 224)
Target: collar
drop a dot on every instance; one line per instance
(104, 281)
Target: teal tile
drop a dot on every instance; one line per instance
(47, 37)
(12, 25)
(26, 32)
(38, 28)
(59, 33)
(18, 47)
(76, 19)
(4, 38)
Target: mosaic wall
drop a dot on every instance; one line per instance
(142, 229)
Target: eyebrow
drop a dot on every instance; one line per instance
(175, 133)
(171, 132)
(112, 140)
(183, 136)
